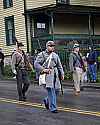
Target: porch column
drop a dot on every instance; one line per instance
(31, 34)
(52, 25)
(26, 26)
(90, 28)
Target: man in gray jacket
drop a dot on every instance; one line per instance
(19, 67)
(76, 67)
(52, 80)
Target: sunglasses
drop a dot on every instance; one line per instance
(51, 45)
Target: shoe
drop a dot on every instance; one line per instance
(46, 104)
(77, 93)
(21, 99)
(24, 97)
(55, 111)
(94, 81)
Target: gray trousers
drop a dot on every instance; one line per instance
(22, 82)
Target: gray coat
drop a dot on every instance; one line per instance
(55, 64)
(74, 61)
(18, 58)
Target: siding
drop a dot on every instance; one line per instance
(39, 3)
(85, 2)
(19, 22)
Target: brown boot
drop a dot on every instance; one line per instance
(77, 93)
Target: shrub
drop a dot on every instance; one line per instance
(8, 72)
(32, 74)
(98, 77)
(68, 76)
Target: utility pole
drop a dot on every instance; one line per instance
(26, 27)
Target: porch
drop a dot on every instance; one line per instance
(63, 24)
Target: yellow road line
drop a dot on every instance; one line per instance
(37, 105)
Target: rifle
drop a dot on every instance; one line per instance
(81, 61)
(59, 75)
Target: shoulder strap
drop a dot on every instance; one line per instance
(77, 56)
(18, 62)
(45, 60)
(81, 61)
(49, 58)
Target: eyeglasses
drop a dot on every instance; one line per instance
(51, 45)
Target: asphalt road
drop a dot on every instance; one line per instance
(81, 110)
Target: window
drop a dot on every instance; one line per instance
(7, 3)
(9, 29)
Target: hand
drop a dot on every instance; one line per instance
(62, 77)
(48, 71)
(15, 72)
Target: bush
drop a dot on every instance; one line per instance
(68, 76)
(98, 77)
(8, 72)
(31, 75)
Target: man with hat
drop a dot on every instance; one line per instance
(92, 64)
(76, 67)
(19, 67)
(48, 62)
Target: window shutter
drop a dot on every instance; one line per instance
(7, 3)
(11, 3)
(6, 31)
(4, 4)
(9, 29)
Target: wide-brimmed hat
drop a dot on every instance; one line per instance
(20, 44)
(76, 45)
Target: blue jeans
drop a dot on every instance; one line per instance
(51, 98)
(92, 71)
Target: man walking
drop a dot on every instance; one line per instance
(19, 67)
(48, 62)
(76, 67)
